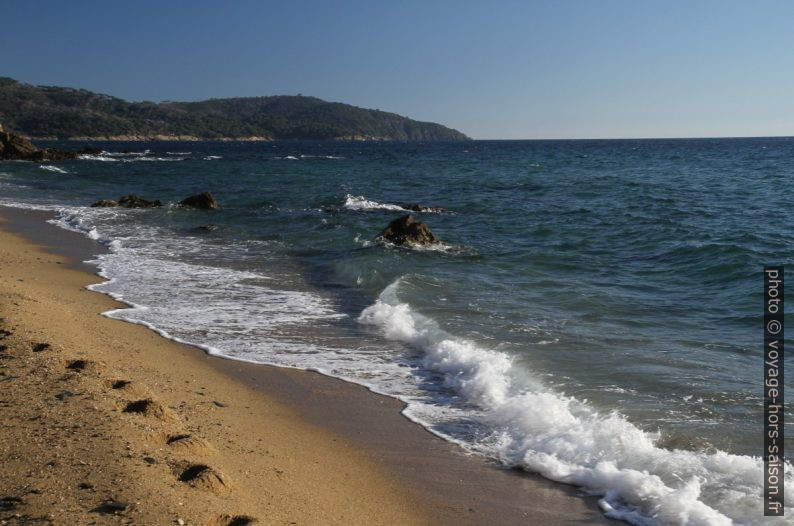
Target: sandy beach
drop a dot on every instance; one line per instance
(106, 422)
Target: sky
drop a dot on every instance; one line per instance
(531, 69)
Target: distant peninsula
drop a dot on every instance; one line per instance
(58, 113)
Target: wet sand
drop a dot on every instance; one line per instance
(278, 445)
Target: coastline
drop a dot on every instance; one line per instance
(192, 138)
(151, 138)
(289, 445)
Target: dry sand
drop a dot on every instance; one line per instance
(105, 422)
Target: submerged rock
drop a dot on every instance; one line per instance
(416, 207)
(204, 201)
(206, 228)
(105, 203)
(407, 230)
(136, 201)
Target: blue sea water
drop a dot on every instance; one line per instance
(593, 313)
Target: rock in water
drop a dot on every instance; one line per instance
(105, 203)
(136, 201)
(14, 147)
(89, 150)
(204, 200)
(406, 230)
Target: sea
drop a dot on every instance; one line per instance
(593, 312)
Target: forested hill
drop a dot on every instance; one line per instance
(69, 113)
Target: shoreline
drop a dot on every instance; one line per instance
(419, 477)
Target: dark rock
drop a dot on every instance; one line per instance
(38, 347)
(206, 228)
(105, 203)
(416, 207)
(204, 201)
(52, 154)
(89, 150)
(136, 201)
(406, 230)
(16, 148)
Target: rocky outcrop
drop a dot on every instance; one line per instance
(136, 201)
(416, 207)
(89, 150)
(407, 230)
(204, 201)
(128, 201)
(16, 148)
(105, 203)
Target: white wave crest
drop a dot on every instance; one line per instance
(131, 157)
(51, 168)
(567, 440)
(101, 157)
(361, 203)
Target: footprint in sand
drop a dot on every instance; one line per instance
(119, 384)
(234, 520)
(201, 476)
(188, 443)
(147, 407)
(77, 365)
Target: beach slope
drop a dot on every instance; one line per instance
(104, 421)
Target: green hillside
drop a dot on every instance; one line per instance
(48, 111)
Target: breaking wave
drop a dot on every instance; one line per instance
(567, 440)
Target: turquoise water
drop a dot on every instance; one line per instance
(592, 314)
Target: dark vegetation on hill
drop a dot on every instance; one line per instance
(63, 113)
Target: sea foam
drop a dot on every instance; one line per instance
(361, 203)
(131, 157)
(51, 168)
(567, 440)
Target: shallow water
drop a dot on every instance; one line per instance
(593, 313)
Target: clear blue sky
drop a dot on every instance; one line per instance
(523, 69)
